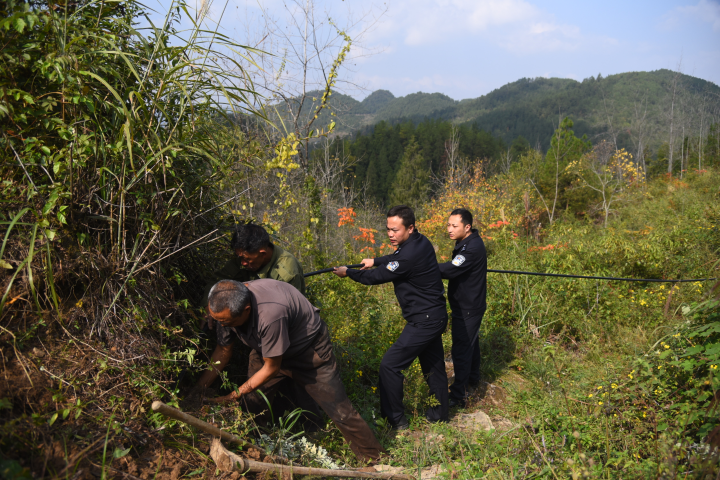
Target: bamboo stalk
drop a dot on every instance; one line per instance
(171, 412)
(227, 461)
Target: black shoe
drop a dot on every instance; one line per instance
(435, 421)
(402, 426)
(453, 402)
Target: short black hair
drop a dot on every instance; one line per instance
(465, 215)
(228, 294)
(404, 212)
(249, 237)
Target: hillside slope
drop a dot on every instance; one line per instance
(531, 107)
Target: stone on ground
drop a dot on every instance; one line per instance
(432, 472)
(474, 421)
(388, 469)
(492, 394)
(501, 423)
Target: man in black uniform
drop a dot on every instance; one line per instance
(467, 289)
(414, 271)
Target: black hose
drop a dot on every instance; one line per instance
(660, 280)
(325, 270)
(562, 275)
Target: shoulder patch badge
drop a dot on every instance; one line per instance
(392, 266)
(459, 260)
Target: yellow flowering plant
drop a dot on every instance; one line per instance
(680, 375)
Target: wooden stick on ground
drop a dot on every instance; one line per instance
(171, 412)
(227, 461)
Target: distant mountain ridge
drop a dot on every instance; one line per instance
(376, 101)
(531, 107)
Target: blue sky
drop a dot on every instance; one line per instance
(467, 48)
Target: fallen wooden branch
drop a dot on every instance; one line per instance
(228, 461)
(171, 412)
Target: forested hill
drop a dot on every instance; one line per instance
(532, 107)
(392, 160)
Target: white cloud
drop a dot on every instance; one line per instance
(426, 21)
(542, 36)
(707, 11)
(515, 25)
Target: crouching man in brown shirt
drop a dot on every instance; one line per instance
(289, 342)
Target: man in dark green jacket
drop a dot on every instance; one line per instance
(256, 257)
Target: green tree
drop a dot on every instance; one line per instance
(384, 144)
(553, 182)
(519, 147)
(658, 165)
(712, 145)
(411, 185)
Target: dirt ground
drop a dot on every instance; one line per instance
(33, 385)
(99, 415)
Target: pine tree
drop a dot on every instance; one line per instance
(372, 179)
(411, 185)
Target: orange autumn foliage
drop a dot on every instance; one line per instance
(485, 201)
(346, 216)
(366, 235)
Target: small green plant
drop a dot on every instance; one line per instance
(280, 438)
(12, 470)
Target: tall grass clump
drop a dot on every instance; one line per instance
(118, 144)
(112, 162)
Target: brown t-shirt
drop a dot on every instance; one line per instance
(282, 321)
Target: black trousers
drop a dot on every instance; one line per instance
(417, 340)
(465, 352)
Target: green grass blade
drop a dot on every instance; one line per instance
(10, 227)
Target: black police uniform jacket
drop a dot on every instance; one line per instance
(467, 271)
(415, 274)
